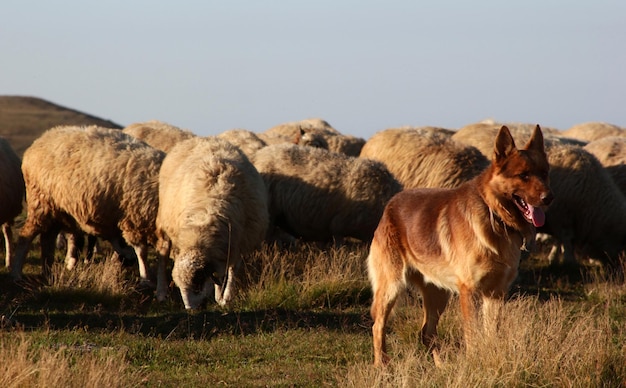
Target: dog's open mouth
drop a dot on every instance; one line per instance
(534, 215)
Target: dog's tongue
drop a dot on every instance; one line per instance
(538, 216)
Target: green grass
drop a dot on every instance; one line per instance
(300, 318)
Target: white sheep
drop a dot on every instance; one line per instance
(320, 195)
(425, 156)
(160, 135)
(611, 152)
(315, 133)
(589, 210)
(593, 130)
(213, 209)
(98, 180)
(481, 135)
(248, 141)
(11, 194)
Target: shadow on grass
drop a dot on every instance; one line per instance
(201, 325)
(31, 305)
(566, 282)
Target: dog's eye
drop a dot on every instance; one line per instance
(524, 176)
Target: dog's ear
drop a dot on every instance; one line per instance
(536, 141)
(504, 145)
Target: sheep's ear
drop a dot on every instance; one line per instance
(298, 138)
(536, 141)
(504, 145)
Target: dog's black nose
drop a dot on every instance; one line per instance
(547, 198)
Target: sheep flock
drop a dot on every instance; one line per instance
(204, 204)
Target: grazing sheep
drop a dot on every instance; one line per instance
(591, 131)
(11, 194)
(320, 195)
(158, 134)
(589, 210)
(425, 157)
(98, 180)
(309, 125)
(314, 133)
(481, 135)
(213, 209)
(247, 141)
(345, 144)
(611, 152)
(309, 139)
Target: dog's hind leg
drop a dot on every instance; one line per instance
(435, 302)
(387, 281)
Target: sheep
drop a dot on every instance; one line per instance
(11, 194)
(314, 133)
(158, 134)
(481, 135)
(345, 144)
(591, 131)
(425, 157)
(320, 195)
(212, 211)
(307, 125)
(98, 180)
(589, 210)
(248, 141)
(611, 152)
(310, 139)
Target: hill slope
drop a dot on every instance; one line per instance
(23, 119)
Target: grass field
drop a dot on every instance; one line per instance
(301, 318)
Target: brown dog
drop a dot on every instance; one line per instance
(464, 240)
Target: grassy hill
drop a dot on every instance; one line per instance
(23, 119)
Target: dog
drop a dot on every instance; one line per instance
(466, 240)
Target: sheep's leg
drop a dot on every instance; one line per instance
(16, 264)
(28, 232)
(74, 241)
(555, 253)
(48, 243)
(163, 254)
(224, 293)
(91, 247)
(8, 245)
(122, 251)
(141, 251)
(569, 257)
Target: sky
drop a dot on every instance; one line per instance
(364, 66)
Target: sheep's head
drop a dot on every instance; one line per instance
(195, 278)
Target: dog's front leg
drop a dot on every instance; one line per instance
(492, 308)
(469, 313)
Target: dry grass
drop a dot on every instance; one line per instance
(538, 344)
(26, 365)
(103, 277)
(306, 276)
(301, 318)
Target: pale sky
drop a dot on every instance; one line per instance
(209, 66)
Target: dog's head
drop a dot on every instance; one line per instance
(520, 178)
